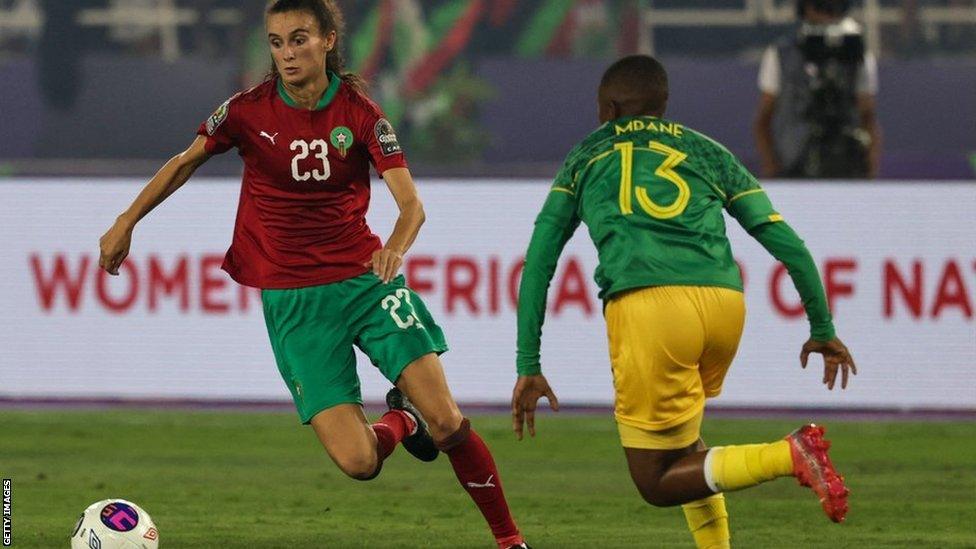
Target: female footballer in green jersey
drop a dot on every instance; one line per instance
(308, 136)
(652, 193)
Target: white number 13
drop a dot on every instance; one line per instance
(303, 147)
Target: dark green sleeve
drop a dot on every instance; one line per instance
(553, 228)
(786, 246)
(745, 199)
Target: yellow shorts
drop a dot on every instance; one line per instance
(681, 435)
(670, 348)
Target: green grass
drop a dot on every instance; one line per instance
(260, 480)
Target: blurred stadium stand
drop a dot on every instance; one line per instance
(474, 87)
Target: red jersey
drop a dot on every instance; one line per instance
(301, 220)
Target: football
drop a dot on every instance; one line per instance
(115, 524)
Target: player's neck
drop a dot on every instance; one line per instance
(308, 94)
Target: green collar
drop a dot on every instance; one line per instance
(327, 97)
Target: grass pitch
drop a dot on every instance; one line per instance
(227, 480)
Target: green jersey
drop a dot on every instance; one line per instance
(652, 193)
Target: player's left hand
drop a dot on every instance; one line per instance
(525, 397)
(386, 264)
(836, 357)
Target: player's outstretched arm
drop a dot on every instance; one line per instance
(386, 262)
(786, 246)
(750, 206)
(553, 228)
(114, 244)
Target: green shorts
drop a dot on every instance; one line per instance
(313, 331)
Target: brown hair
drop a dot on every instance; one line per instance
(329, 17)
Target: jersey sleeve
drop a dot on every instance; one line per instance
(745, 199)
(788, 248)
(747, 202)
(381, 140)
(565, 181)
(554, 227)
(222, 128)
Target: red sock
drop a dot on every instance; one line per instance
(390, 429)
(476, 470)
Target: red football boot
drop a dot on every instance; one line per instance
(812, 468)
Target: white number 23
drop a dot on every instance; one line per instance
(320, 148)
(393, 302)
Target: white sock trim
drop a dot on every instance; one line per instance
(707, 466)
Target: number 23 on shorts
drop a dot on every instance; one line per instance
(393, 302)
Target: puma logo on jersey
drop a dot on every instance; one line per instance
(271, 138)
(487, 484)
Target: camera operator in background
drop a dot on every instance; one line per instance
(816, 114)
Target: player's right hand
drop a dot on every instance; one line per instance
(525, 397)
(836, 357)
(114, 246)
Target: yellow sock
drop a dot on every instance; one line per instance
(736, 467)
(709, 522)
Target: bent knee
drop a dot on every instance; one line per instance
(359, 467)
(656, 497)
(660, 501)
(443, 426)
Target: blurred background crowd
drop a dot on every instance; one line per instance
(473, 87)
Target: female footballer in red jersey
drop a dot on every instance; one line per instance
(307, 136)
